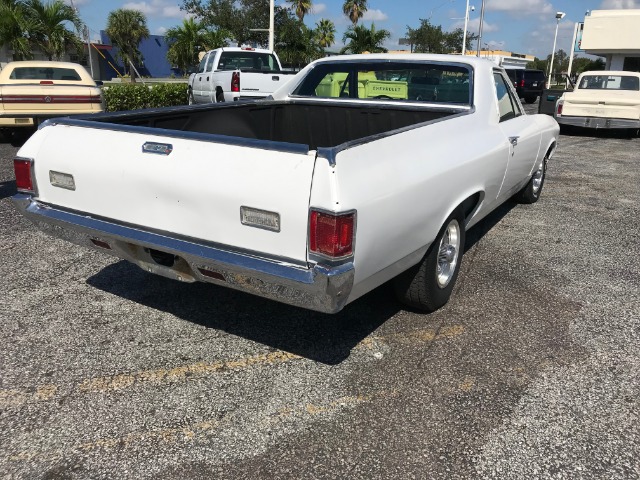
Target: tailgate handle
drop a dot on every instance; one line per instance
(275, 78)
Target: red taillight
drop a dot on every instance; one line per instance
(522, 83)
(46, 82)
(559, 108)
(235, 82)
(24, 179)
(331, 234)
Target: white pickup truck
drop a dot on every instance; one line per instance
(232, 73)
(313, 198)
(602, 99)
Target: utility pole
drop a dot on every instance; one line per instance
(480, 30)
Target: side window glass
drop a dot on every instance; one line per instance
(210, 63)
(203, 63)
(333, 85)
(505, 103)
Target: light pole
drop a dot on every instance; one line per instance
(466, 22)
(559, 16)
(480, 29)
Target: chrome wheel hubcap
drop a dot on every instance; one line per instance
(448, 253)
(537, 179)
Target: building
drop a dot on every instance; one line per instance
(154, 53)
(614, 35)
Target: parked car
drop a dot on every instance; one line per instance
(336, 186)
(233, 73)
(528, 83)
(602, 99)
(33, 91)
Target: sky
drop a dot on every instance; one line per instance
(520, 26)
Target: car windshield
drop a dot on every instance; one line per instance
(610, 82)
(398, 81)
(44, 73)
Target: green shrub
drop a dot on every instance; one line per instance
(133, 96)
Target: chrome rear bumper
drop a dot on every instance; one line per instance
(324, 289)
(597, 122)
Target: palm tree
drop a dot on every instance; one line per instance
(325, 33)
(363, 39)
(126, 29)
(354, 9)
(14, 28)
(48, 27)
(215, 38)
(301, 7)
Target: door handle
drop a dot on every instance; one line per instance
(207, 79)
(514, 140)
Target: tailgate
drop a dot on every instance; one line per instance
(196, 190)
(262, 82)
(613, 105)
(50, 99)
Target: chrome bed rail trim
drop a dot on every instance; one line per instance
(94, 122)
(320, 288)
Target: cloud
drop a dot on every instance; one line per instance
(318, 8)
(474, 25)
(161, 31)
(616, 4)
(520, 7)
(374, 16)
(77, 3)
(539, 41)
(157, 8)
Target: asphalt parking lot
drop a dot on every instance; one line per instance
(531, 371)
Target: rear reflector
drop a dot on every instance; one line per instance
(235, 82)
(46, 82)
(331, 234)
(23, 168)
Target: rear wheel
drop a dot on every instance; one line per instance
(428, 285)
(219, 96)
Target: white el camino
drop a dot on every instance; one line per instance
(602, 99)
(360, 170)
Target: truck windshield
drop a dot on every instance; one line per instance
(248, 61)
(610, 82)
(400, 81)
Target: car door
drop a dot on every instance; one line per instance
(207, 82)
(198, 81)
(520, 132)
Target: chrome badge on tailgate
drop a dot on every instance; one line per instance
(157, 148)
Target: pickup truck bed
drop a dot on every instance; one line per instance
(318, 125)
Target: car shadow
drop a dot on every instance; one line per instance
(321, 337)
(324, 338)
(7, 189)
(478, 231)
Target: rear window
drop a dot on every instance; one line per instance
(248, 61)
(44, 73)
(609, 82)
(398, 81)
(535, 75)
